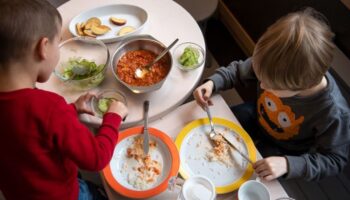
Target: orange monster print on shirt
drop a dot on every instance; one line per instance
(276, 118)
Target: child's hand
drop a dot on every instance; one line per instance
(81, 104)
(271, 167)
(118, 108)
(203, 93)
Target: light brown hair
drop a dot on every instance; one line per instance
(22, 24)
(295, 52)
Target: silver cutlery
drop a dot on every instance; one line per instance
(141, 71)
(212, 134)
(145, 128)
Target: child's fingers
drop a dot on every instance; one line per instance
(258, 163)
(205, 94)
(261, 168)
(199, 98)
(265, 173)
(89, 112)
(269, 177)
(88, 96)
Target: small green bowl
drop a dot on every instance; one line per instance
(179, 50)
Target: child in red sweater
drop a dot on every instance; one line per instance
(42, 142)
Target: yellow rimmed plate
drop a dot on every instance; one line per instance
(193, 144)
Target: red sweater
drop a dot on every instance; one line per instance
(42, 144)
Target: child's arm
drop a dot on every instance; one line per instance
(271, 167)
(81, 104)
(318, 165)
(329, 154)
(236, 73)
(202, 94)
(75, 142)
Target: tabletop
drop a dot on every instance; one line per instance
(174, 122)
(166, 21)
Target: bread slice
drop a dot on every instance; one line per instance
(117, 21)
(125, 30)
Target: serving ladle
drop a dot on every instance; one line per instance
(78, 71)
(140, 72)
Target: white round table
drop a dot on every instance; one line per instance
(166, 21)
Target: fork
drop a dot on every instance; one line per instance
(212, 134)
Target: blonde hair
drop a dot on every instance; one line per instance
(295, 52)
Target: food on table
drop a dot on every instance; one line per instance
(92, 28)
(79, 28)
(93, 21)
(147, 170)
(117, 21)
(100, 30)
(89, 33)
(90, 68)
(103, 104)
(189, 57)
(132, 60)
(221, 151)
(125, 30)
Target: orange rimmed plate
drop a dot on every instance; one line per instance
(118, 170)
(193, 143)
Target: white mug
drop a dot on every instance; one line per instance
(253, 190)
(197, 187)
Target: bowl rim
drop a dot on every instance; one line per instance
(173, 171)
(140, 89)
(98, 96)
(190, 68)
(84, 39)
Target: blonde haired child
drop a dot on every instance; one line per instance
(300, 118)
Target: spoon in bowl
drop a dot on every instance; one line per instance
(140, 72)
(81, 71)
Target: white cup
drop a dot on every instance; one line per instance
(197, 187)
(253, 190)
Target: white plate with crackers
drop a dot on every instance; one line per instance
(227, 170)
(109, 23)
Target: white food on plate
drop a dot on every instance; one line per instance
(221, 152)
(146, 171)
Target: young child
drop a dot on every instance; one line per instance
(300, 115)
(42, 142)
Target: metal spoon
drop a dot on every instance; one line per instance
(78, 71)
(212, 135)
(145, 128)
(140, 72)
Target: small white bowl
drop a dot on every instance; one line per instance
(198, 187)
(179, 50)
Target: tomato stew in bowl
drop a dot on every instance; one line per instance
(134, 59)
(136, 52)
